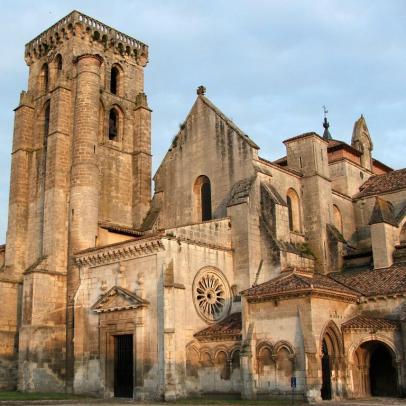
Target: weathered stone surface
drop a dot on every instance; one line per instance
(250, 253)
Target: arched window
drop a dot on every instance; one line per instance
(114, 80)
(113, 125)
(58, 62)
(338, 220)
(293, 202)
(44, 78)
(202, 191)
(222, 365)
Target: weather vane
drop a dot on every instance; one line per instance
(325, 111)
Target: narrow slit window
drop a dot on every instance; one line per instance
(290, 214)
(114, 80)
(45, 77)
(46, 119)
(113, 125)
(59, 64)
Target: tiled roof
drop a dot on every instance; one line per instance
(334, 145)
(362, 323)
(375, 282)
(229, 328)
(385, 183)
(119, 228)
(292, 282)
(281, 161)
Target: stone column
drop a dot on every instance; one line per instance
(57, 180)
(141, 160)
(18, 200)
(84, 183)
(84, 194)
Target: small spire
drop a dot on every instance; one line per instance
(326, 134)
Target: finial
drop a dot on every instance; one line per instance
(326, 135)
(201, 91)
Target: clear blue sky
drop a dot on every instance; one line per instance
(269, 65)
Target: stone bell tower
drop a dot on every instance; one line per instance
(81, 157)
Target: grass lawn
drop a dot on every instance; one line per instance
(14, 395)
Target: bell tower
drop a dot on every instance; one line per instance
(81, 156)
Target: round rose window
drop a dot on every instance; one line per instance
(211, 295)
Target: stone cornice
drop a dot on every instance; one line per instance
(46, 43)
(220, 337)
(297, 293)
(120, 251)
(199, 243)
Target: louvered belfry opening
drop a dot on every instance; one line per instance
(123, 366)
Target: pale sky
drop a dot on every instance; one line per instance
(268, 65)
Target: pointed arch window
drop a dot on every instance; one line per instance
(113, 125)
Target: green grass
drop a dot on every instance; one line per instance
(15, 395)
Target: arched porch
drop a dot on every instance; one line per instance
(375, 371)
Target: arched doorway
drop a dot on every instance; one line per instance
(332, 364)
(374, 372)
(326, 372)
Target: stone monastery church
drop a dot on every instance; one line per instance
(236, 275)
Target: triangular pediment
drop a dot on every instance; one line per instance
(117, 299)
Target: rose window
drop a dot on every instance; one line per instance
(211, 295)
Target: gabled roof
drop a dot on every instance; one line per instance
(295, 281)
(116, 299)
(369, 323)
(376, 282)
(379, 184)
(229, 122)
(227, 329)
(203, 99)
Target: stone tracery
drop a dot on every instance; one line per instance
(211, 295)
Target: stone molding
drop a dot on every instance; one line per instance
(106, 304)
(116, 252)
